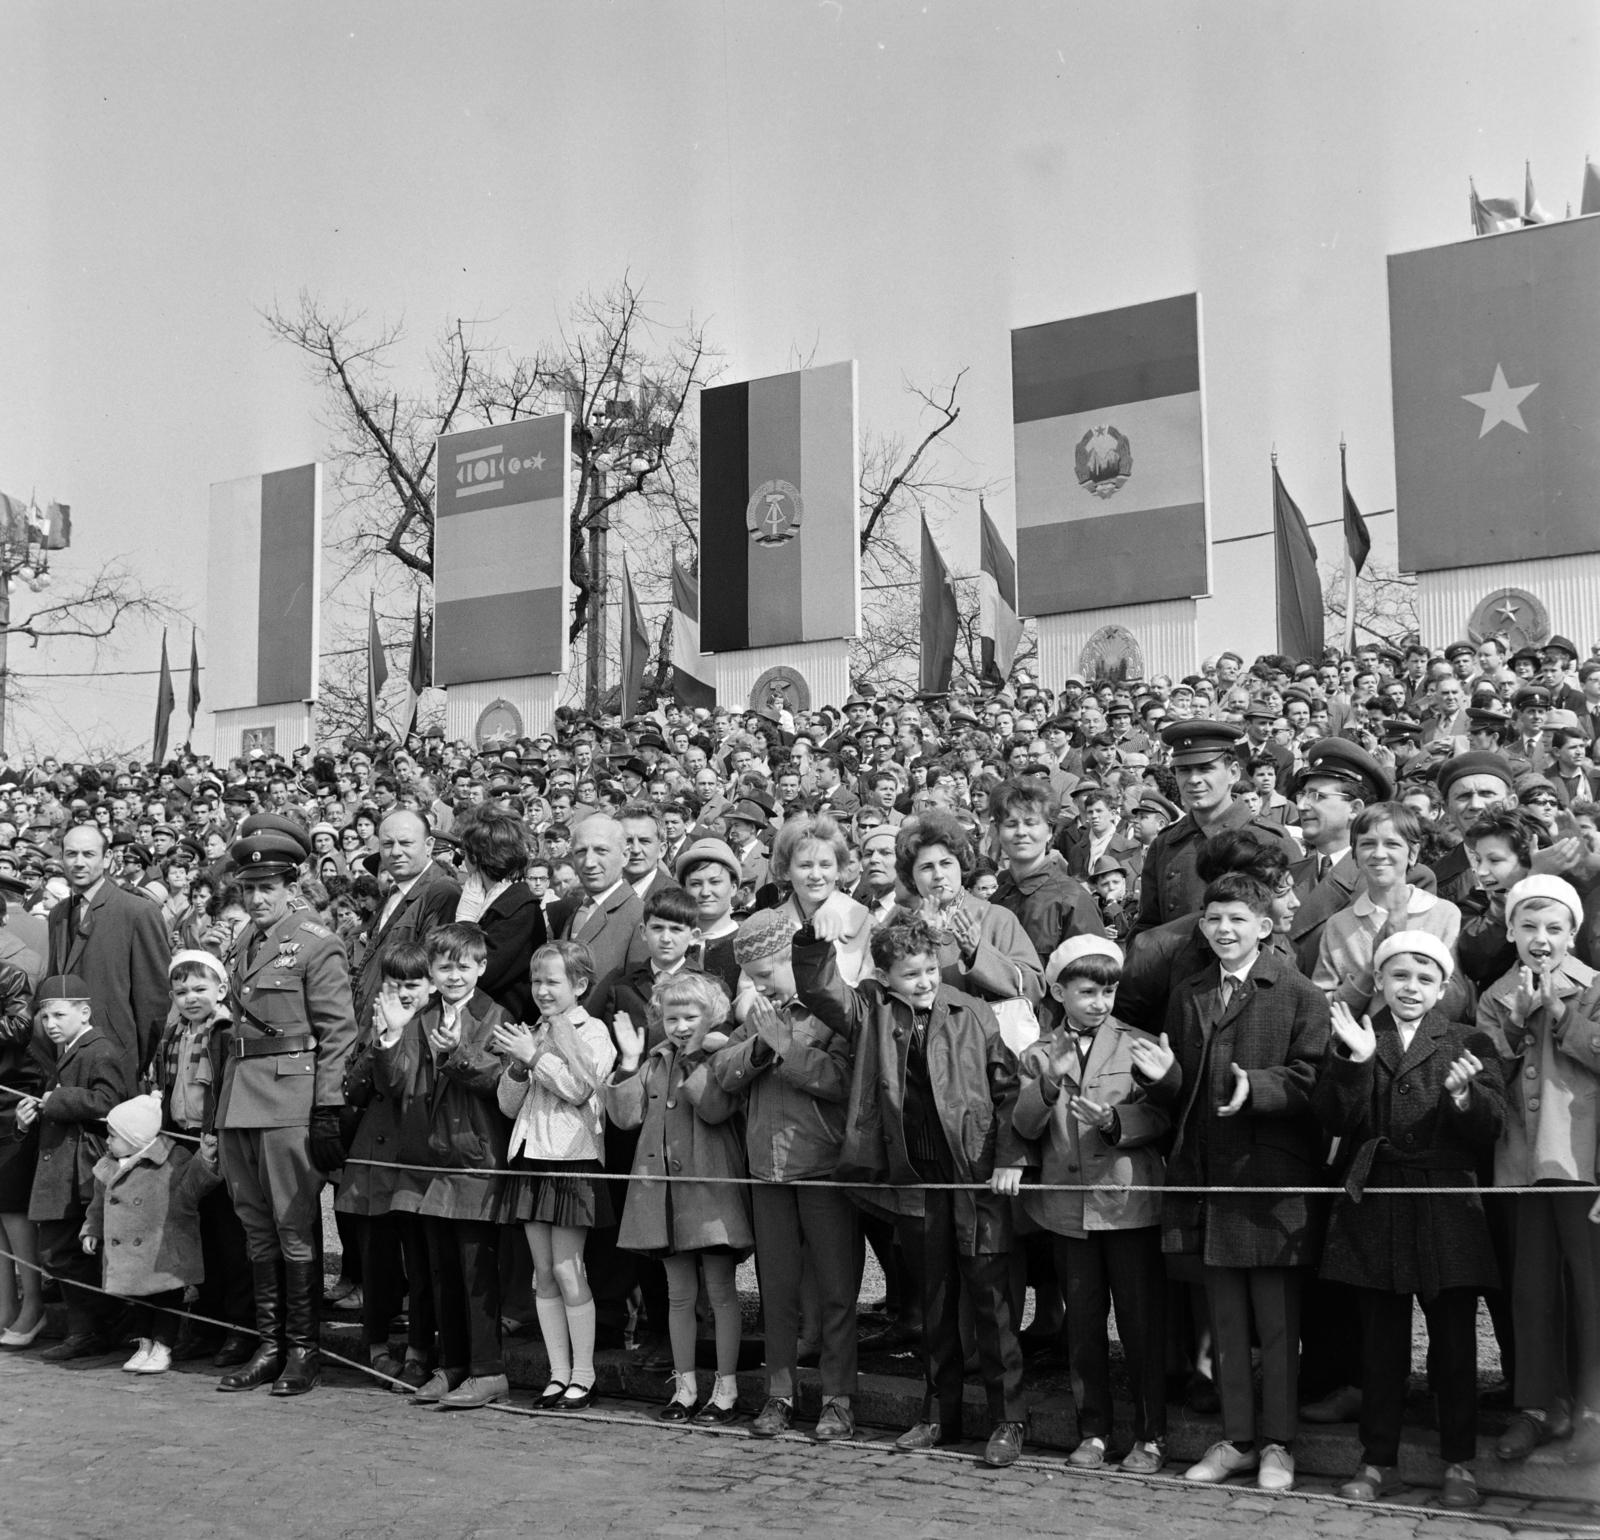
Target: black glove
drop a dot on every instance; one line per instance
(327, 1145)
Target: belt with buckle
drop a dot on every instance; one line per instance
(265, 1047)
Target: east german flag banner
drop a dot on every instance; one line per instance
(1110, 456)
(263, 587)
(694, 679)
(501, 585)
(999, 630)
(1495, 364)
(779, 561)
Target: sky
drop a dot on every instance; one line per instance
(897, 183)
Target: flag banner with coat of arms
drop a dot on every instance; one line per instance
(1110, 455)
(779, 557)
(1495, 361)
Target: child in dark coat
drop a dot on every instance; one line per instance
(1416, 1100)
(144, 1223)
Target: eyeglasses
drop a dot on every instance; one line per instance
(1314, 797)
(1541, 802)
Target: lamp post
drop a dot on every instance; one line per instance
(23, 558)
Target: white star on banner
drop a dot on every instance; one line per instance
(1501, 402)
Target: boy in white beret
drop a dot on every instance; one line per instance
(1097, 1127)
(144, 1223)
(1544, 1017)
(1415, 1100)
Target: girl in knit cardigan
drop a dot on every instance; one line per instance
(551, 1088)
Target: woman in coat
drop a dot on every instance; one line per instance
(496, 897)
(23, 1066)
(1416, 1101)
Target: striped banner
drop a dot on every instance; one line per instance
(501, 560)
(694, 676)
(1110, 457)
(779, 561)
(263, 589)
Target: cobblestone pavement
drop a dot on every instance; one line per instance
(88, 1453)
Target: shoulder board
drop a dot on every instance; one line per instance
(311, 927)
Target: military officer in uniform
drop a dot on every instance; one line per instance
(282, 1087)
(1205, 759)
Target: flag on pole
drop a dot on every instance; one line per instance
(1491, 216)
(1591, 189)
(194, 679)
(635, 646)
(421, 672)
(999, 630)
(377, 666)
(1300, 634)
(1357, 545)
(941, 619)
(165, 701)
(693, 674)
(1532, 214)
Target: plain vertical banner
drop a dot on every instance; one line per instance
(1109, 433)
(263, 589)
(941, 619)
(779, 487)
(502, 586)
(1300, 614)
(1495, 359)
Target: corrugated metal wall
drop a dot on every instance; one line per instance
(535, 699)
(1568, 586)
(294, 725)
(825, 666)
(1167, 634)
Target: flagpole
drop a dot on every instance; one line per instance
(1349, 564)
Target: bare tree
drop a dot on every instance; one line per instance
(1386, 603)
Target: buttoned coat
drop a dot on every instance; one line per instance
(1399, 1128)
(1275, 1028)
(1169, 885)
(614, 934)
(87, 1080)
(119, 948)
(431, 901)
(1159, 960)
(1051, 904)
(147, 1219)
(684, 1118)
(298, 985)
(1071, 1152)
(974, 1079)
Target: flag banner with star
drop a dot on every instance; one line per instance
(694, 676)
(1495, 361)
(263, 587)
(501, 559)
(779, 556)
(1110, 456)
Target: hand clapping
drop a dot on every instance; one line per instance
(1241, 1094)
(771, 1025)
(1091, 1114)
(1357, 1036)
(1460, 1075)
(1152, 1060)
(515, 1041)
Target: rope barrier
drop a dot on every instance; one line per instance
(1049, 1467)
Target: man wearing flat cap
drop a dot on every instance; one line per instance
(1205, 759)
(282, 1088)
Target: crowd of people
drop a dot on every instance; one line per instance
(1247, 1007)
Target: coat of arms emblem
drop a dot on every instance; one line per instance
(1104, 460)
(773, 513)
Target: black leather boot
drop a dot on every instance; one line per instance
(267, 1361)
(303, 1315)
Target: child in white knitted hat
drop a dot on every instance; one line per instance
(144, 1222)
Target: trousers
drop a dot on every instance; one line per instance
(1452, 1317)
(1552, 1231)
(464, 1259)
(274, 1188)
(62, 1256)
(1124, 1267)
(787, 1220)
(395, 1264)
(226, 1292)
(1272, 1296)
(939, 1270)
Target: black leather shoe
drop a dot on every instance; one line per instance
(776, 1417)
(262, 1368)
(925, 1435)
(551, 1398)
(302, 1307)
(78, 1345)
(894, 1338)
(299, 1372)
(576, 1398)
(266, 1357)
(238, 1347)
(1005, 1444)
(675, 1411)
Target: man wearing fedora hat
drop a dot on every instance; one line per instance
(282, 1089)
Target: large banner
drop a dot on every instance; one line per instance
(501, 567)
(1110, 457)
(263, 589)
(779, 560)
(1495, 357)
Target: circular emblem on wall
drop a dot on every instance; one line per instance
(781, 686)
(499, 725)
(1104, 460)
(1514, 615)
(1113, 653)
(773, 513)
